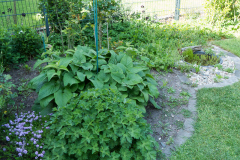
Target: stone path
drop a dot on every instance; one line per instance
(187, 132)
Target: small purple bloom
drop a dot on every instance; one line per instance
(7, 138)
(37, 146)
(36, 152)
(4, 149)
(25, 151)
(40, 146)
(20, 154)
(36, 157)
(40, 155)
(20, 143)
(10, 133)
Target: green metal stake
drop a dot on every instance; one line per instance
(44, 46)
(96, 30)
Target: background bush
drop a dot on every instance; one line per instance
(19, 45)
(107, 127)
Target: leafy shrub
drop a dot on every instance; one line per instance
(76, 71)
(19, 46)
(6, 95)
(220, 11)
(23, 136)
(100, 124)
(26, 43)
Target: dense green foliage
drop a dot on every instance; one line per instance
(100, 124)
(221, 12)
(19, 45)
(77, 71)
(203, 60)
(6, 94)
(159, 42)
(216, 134)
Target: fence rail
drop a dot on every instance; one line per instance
(27, 13)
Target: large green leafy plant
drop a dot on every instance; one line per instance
(76, 71)
(100, 124)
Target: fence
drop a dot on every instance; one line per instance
(26, 12)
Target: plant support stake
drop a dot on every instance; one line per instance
(96, 29)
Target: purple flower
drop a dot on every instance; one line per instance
(27, 144)
(4, 149)
(40, 155)
(20, 154)
(40, 146)
(36, 152)
(25, 151)
(36, 157)
(43, 152)
(34, 142)
(7, 138)
(37, 145)
(10, 133)
(20, 143)
(47, 127)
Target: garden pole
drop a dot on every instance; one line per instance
(46, 21)
(177, 10)
(96, 28)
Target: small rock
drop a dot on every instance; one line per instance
(164, 145)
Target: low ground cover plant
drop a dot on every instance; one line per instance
(77, 71)
(204, 60)
(23, 136)
(100, 124)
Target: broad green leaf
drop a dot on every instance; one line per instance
(81, 76)
(81, 86)
(153, 90)
(152, 81)
(39, 62)
(74, 68)
(37, 80)
(103, 76)
(89, 74)
(79, 57)
(63, 68)
(51, 66)
(149, 75)
(65, 61)
(135, 69)
(45, 101)
(52, 73)
(101, 62)
(154, 103)
(69, 79)
(127, 61)
(122, 67)
(48, 89)
(116, 73)
(113, 59)
(74, 87)
(62, 97)
(97, 83)
(145, 95)
(132, 79)
(87, 66)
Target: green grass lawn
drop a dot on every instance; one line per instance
(231, 45)
(29, 7)
(217, 130)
